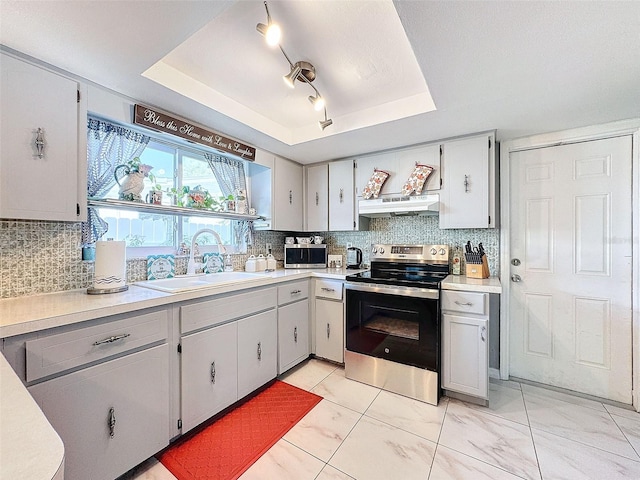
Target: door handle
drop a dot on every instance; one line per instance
(482, 330)
(328, 330)
(516, 278)
(259, 351)
(111, 422)
(295, 334)
(213, 372)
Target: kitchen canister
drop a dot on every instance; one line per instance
(271, 263)
(110, 268)
(261, 263)
(250, 264)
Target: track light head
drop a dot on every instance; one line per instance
(324, 124)
(317, 101)
(271, 33)
(290, 78)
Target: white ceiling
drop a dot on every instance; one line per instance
(518, 67)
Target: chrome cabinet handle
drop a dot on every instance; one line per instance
(317, 199)
(111, 422)
(259, 351)
(341, 195)
(295, 292)
(213, 372)
(482, 330)
(39, 142)
(112, 339)
(295, 334)
(466, 184)
(326, 289)
(290, 197)
(467, 304)
(328, 330)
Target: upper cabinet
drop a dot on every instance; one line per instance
(399, 164)
(275, 190)
(42, 144)
(317, 218)
(468, 195)
(342, 212)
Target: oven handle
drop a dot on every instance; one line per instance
(394, 290)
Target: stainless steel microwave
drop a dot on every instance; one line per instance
(305, 256)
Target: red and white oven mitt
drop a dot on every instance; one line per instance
(375, 184)
(416, 180)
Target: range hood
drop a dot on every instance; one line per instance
(398, 206)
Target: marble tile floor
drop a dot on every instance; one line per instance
(363, 433)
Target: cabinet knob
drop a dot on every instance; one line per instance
(341, 195)
(213, 372)
(111, 422)
(466, 184)
(317, 199)
(259, 351)
(290, 197)
(295, 334)
(328, 330)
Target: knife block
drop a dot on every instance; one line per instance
(478, 270)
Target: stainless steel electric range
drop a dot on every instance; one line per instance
(393, 320)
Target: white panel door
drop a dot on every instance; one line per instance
(317, 198)
(257, 351)
(570, 311)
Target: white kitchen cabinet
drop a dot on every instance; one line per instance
(287, 195)
(399, 164)
(465, 343)
(110, 416)
(209, 373)
(50, 184)
(468, 195)
(317, 218)
(257, 351)
(342, 212)
(329, 320)
(293, 334)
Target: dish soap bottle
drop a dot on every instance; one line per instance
(456, 262)
(228, 264)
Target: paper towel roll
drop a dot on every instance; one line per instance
(110, 266)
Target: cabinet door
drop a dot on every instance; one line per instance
(31, 187)
(329, 330)
(287, 195)
(465, 355)
(365, 167)
(464, 200)
(341, 196)
(424, 155)
(257, 351)
(209, 373)
(111, 416)
(317, 201)
(293, 334)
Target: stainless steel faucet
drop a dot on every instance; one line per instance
(192, 266)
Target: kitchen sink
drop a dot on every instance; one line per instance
(198, 282)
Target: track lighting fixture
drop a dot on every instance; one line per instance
(302, 71)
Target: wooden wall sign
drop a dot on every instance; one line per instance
(150, 118)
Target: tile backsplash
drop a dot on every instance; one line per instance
(40, 257)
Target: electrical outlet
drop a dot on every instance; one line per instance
(268, 245)
(349, 244)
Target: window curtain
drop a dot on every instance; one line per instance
(230, 175)
(108, 146)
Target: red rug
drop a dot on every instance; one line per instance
(230, 445)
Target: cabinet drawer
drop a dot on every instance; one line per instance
(56, 353)
(329, 289)
(292, 292)
(465, 302)
(224, 308)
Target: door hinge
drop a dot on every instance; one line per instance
(489, 219)
(489, 142)
(354, 224)
(179, 423)
(78, 101)
(77, 209)
(179, 348)
(441, 151)
(440, 181)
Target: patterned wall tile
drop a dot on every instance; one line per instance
(41, 257)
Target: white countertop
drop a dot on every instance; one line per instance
(30, 449)
(40, 312)
(463, 283)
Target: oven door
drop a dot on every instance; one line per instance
(398, 324)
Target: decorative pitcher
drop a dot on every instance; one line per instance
(132, 182)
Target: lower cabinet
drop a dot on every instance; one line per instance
(257, 351)
(209, 373)
(465, 340)
(329, 320)
(110, 416)
(293, 334)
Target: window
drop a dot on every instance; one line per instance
(174, 166)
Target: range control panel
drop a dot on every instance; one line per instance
(419, 253)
